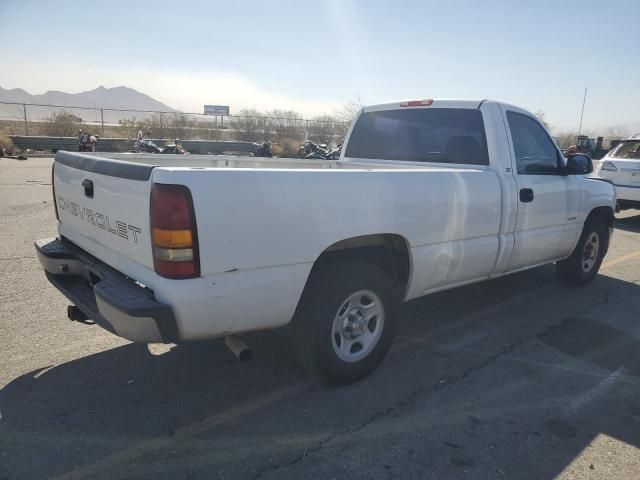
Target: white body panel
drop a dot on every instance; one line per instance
(263, 223)
(626, 177)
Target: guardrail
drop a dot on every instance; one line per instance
(126, 144)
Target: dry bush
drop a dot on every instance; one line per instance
(129, 127)
(7, 144)
(277, 150)
(286, 148)
(63, 124)
(284, 124)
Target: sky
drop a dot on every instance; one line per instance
(314, 57)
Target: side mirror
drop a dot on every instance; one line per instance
(578, 164)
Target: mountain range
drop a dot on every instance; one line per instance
(101, 97)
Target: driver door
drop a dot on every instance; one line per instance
(548, 201)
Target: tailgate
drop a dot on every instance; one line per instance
(103, 207)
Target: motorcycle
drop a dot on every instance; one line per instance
(319, 152)
(334, 152)
(86, 142)
(175, 148)
(143, 144)
(262, 150)
(311, 149)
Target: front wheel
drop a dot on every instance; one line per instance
(583, 264)
(345, 323)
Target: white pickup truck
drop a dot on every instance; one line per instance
(427, 195)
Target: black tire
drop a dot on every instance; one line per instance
(325, 295)
(578, 270)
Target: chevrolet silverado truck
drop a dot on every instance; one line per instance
(427, 195)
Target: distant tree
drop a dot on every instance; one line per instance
(284, 123)
(325, 129)
(179, 125)
(566, 139)
(62, 124)
(250, 125)
(542, 118)
(349, 110)
(206, 128)
(157, 123)
(616, 132)
(130, 126)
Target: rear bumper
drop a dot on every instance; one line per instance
(113, 300)
(628, 193)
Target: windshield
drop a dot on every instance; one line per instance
(627, 150)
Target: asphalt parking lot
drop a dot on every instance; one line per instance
(519, 377)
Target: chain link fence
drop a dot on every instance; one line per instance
(285, 130)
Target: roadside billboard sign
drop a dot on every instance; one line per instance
(218, 110)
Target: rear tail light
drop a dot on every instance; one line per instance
(609, 166)
(174, 235)
(417, 103)
(53, 190)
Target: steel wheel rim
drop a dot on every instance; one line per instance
(590, 252)
(357, 326)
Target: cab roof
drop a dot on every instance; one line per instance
(441, 103)
(435, 103)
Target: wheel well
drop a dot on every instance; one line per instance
(605, 215)
(388, 251)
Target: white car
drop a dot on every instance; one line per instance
(427, 195)
(621, 166)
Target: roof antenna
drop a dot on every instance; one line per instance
(584, 100)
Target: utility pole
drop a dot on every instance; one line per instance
(584, 100)
(26, 125)
(102, 120)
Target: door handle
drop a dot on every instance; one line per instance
(88, 187)
(526, 195)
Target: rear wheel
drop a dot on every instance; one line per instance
(346, 322)
(583, 264)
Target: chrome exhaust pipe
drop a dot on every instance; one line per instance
(238, 348)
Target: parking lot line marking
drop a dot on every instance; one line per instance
(135, 451)
(590, 395)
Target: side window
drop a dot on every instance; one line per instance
(534, 150)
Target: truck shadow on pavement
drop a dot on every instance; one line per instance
(458, 379)
(629, 224)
